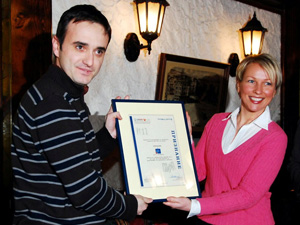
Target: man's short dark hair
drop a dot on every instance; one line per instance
(80, 13)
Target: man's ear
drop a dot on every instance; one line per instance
(55, 46)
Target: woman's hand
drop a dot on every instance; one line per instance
(181, 203)
(189, 122)
(110, 119)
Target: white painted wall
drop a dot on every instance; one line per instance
(206, 29)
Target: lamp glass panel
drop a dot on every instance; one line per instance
(142, 16)
(153, 16)
(256, 42)
(247, 42)
(161, 19)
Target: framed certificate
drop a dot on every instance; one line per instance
(156, 149)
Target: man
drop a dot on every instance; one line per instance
(56, 155)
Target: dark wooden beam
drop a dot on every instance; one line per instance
(276, 6)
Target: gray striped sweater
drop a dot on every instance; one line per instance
(56, 159)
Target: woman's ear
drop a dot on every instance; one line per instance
(275, 91)
(237, 86)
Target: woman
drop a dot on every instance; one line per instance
(240, 153)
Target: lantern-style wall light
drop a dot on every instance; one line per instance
(150, 15)
(253, 36)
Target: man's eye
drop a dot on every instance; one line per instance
(79, 47)
(99, 52)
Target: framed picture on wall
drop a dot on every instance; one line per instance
(200, 84)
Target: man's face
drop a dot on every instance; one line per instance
(82, 51)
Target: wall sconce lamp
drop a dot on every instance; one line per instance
(150, 15)
(253, 36)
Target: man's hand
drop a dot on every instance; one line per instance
(110, 119)
(142, 203)
(181, 203)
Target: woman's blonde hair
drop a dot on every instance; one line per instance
(267, 62)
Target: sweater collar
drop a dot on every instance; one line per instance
(66, 83)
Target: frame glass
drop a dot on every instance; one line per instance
(156, 149)
(201, 84)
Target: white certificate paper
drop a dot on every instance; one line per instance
(156, 149)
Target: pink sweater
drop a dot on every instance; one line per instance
(237, 184)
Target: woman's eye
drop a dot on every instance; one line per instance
(251, 81)
(268, 83)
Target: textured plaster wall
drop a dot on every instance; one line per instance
(205, 29)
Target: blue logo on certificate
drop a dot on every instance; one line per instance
(157, 151)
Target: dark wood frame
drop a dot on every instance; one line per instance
(200, 105)
(290, 13)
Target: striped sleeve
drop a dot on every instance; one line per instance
(56, 162)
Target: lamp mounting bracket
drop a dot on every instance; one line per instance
(132, 47)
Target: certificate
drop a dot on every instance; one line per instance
(155, 148)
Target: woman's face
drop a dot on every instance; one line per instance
(256, 90)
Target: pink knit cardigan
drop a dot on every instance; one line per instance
(237, 184)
